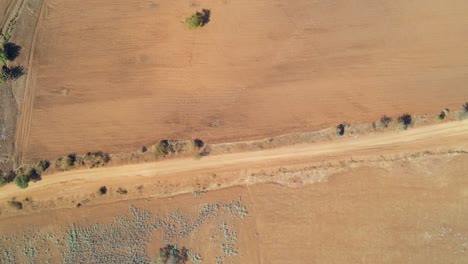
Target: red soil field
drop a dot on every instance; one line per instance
(116, 75)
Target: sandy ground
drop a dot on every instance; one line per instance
(336, 202)
(115, 75)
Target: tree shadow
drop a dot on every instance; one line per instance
(14, 72)
(205, 15)
(12, 51)
(405, 120)
(340, 129)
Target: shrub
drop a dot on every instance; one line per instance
(405, 120)
(197, 20)
(463, 113)
(3, 181)
(465, 107)
(340, 129)
(385, 121)
(441, 116)
(16, 204)
(22, 181)
(170, 254)
(102, 190)
(65, 163)
(41, 166)
(164, 148)
(93, 159)
(121, 191)
(194, 21)
(3, 56)
(11, 73)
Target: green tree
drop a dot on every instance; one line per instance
(22, 181)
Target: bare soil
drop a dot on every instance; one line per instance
(116, 75)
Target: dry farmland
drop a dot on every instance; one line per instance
(114, 75)
(263, 83)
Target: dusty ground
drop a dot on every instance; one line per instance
(406, 204)
(115, 75)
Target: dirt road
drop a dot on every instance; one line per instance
(441, 136)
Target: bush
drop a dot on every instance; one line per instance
(170, 254)
(3, 181)
(385, 121)
(16, 204)
(121, 191)
(340, 129)
(197, 20)
(41, 166)
(92, 159)
(164, 148)
(11, 73)
(102, 190)
(465, 107)
(3, 56)
(405, 120)
(22, 181)
(66, 162)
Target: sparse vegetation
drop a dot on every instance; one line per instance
(125, 238)
(171, 254)
(92, 160)
(464, 111)
(199, 19)
(11, 73)
(41, 166)
(16, 204)
(89, 160)
(22, 181)
(66, 163)
(385, 121)
(3, 181)
(121, 190)
(405, 120)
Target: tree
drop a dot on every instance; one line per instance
(199, 19)
(22, 181)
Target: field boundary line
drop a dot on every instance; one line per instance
(23, 124)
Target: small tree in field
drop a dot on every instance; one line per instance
(197, 20)
(22, 181)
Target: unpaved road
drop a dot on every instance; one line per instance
(441, 136)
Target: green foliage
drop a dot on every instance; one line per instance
(3, 181)
(194, 21)
(3, 57)
(199, 19)
(22, 181)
